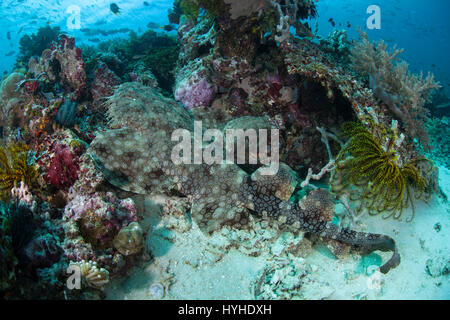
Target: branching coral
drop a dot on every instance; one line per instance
(291, 12)
(384, 183)
(404, 93)
(15, 168)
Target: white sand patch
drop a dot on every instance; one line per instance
(190, 267)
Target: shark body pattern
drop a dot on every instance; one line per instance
(135, 155)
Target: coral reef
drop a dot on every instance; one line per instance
(62, 62)
(92, 276)
(195, 92)
(42, 252)
(130, 239)
(9, 86)
(439, 132)
(36, 43)
(8, 260)
(63, 168)
(130, 152)
(22, 194)
(86, 142)
(338, 45)
(158, 53)
(29, 249)
(104, 82)
(404, 93)
(15, 168)
(66, 114)
(99, 218)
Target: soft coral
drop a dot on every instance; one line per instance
(63, 169)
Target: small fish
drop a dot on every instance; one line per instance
(8, 35)
(348, 24)
(100, 22)
(114, 8)
(10, 53)
(146, 3)
(94, 40)
(168, 27)
(153, 25)
(332, 22)
(433, 65)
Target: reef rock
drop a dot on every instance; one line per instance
(130, 239)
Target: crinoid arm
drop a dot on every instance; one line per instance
(371, 173)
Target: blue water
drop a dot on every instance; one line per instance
(422, 28)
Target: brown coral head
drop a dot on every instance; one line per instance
(130, 239)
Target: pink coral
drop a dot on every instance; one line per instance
(32, 87)
(63, 169)
(195, 92)
(100, 217)
(89, 178)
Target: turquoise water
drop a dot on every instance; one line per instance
(420, 27)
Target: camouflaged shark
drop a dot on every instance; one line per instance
(135, 155)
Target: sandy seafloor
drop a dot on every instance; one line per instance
(236, 265)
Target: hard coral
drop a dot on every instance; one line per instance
(100, 218)
(9, 85)
(130, 239)
(72, 65)
(63, 62)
